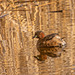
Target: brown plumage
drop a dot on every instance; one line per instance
(50, 45)
(37, 0)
